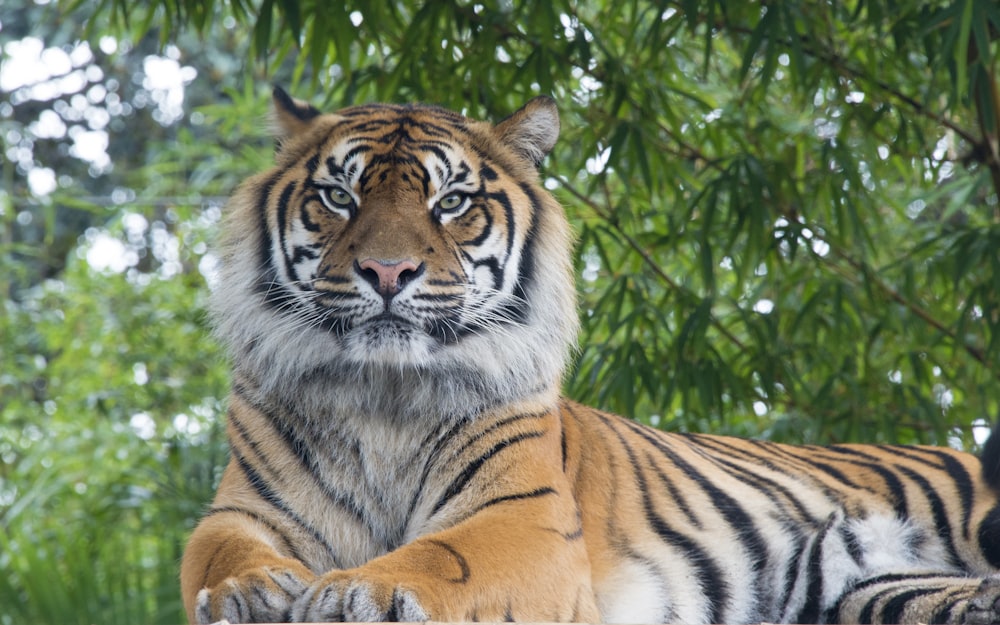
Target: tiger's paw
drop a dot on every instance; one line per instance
(341, 596)
(263, 595)
(984, 607)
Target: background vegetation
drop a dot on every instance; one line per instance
(788, 226)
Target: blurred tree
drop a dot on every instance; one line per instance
(788, 225)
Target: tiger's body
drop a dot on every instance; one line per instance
(397, 295)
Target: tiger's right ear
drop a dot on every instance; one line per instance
(532, 130)
(291, 116)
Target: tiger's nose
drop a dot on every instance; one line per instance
(388, 278)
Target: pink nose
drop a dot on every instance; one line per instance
(388, 278)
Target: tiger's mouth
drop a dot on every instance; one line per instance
(390, 337)
(388, 323)
(389, 330)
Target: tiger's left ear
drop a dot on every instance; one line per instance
(532, 130)
(291, 116)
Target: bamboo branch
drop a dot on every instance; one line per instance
(645, 255)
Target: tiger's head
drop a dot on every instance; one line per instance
(399, 260)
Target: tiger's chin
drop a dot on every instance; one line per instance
(389, 341)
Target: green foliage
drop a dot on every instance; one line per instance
(109, 443)
(111, 393)
(787, 218)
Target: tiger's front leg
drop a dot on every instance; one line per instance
(509, 564)
(232, 572)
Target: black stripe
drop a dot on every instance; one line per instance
(264, 243)
(854, 548)
(955, 470)
(890, 578)
(509, 217)
(780, 459)
(430, 460)
(837, 474)
(493, 265)
(392, 615)
(947, 605)
(964, 484)
(811, 609)
(792, 567)
(562, 434)
(334, 168)
(844, 450)
(307, 221)
(463, 564)
(438, 297)
(275, 294)
(676, 496)
(734, 513)
(242, 609)
(871, 463)
(487, 229)
(289, 547)
(282, 214)
(518, 308)
(493, 427)
(264, 491)
(303, 252)
(893, 609)
(435, 457)
(877, 465)
(311, 165)
(473, 467)
(754, 480)
(300, 449)
(437, 151)
(332, 279)
(869, 609)
(894, 485)
(938, 510)
(262, 486)
(706, 569)
(538, 492)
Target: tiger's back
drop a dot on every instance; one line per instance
(397, 296)
(780, 533)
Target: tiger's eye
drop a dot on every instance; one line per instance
(451, 202)
(337, 196)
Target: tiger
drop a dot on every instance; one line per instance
(397, 298)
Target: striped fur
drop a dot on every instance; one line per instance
(397, 296)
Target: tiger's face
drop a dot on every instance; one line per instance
(401, 242)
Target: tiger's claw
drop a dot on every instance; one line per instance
(984, 607)
(264, 595)
(345, 598)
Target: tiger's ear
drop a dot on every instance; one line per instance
(532, 130)
(291, 116)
